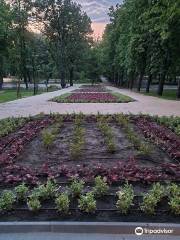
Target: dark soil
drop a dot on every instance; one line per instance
(35, 155)
(94, 151)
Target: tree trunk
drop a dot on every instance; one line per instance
(131, 80)
(161, 84)
(178, 90)
(140, 81)
(1, 73)
(148, 83)
(71, 76)
(63, 82)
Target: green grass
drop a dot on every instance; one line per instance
(11, 94)
(122, 98)
(169, 94)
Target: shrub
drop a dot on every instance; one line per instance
(62, 203)
(125, 198)
(151, 199)
(76, 187)
(45, 191)
(87, 203)
(21, 192)
(7, 200)
(34, 204)
(174, 198)
(174, 204)
(101, 187)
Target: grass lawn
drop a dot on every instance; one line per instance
(11, 94)
(169, 94)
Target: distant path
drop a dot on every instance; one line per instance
(36, 104)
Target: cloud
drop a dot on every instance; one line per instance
(97, 10)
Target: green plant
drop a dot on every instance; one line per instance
(106, 130)
(101, 187)
(125, 198)
(9, 125)
(51, 188)
(7, 200)
(122, 120)
(48, 138)
(76, 187)
(87, 203)
(173, 190)
(152, 198)
(144, 148)
(78, 139)
(34, 204)
(45, 191)
(21, 192)
(174, 204)
(174, 198)
(62, 203)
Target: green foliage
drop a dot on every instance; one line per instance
(9, 125)
(34, 204)
(107, 133)
(125, 198)
(152, 198)
(78, 140)
(87, 203)
(7, 199)
(45, 191)
(101, 187)
(21, 192)
(141, 39)
(174, 204)
(48, 138)
(174, 198)
(76, 187)
(62, 203)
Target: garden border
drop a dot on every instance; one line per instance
(84, 227)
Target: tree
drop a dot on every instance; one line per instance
(141, 39)
(67, 29)
(5, 24)
(21, 13)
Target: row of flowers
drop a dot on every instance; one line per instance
(161, 135)
(130, 171)
(87, 197)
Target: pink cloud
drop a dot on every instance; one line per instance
(98, 29)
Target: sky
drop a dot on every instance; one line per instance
(97, 10)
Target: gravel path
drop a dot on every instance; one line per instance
(36, 104)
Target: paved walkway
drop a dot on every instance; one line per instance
(36, 104)
(61, 236)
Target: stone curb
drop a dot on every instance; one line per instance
(85, 227)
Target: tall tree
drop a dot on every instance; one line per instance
(5, 24)
(67, 29)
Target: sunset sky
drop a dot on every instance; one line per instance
(97, 10)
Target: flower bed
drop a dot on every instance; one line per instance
(93, 88)
(92, 98)
(114, 148)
